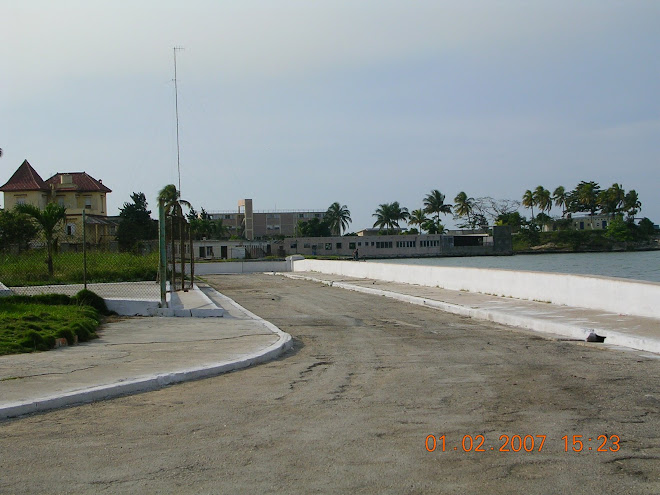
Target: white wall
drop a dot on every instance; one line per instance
(608, 294)
(220, 268)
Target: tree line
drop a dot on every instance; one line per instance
(587, 197)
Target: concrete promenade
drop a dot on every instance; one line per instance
(140, 354)
(635, 332)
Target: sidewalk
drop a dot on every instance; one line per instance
(633, 332)
(140, 354)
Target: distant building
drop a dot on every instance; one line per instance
(255, 225)
(583, 222)
(369, 246)
(76, 191)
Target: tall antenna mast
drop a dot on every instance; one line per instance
(176, 109)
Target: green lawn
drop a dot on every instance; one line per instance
(31, 269)
(27, 326)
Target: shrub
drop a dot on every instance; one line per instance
(88, 298)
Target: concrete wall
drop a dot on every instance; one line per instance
(608, 294)
(202, 269)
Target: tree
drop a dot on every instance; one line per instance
(203, 225)
(15, 230)
(528, 201)
(135, 223)
(418, 217)
(559, 196)
(314, 227)
(432, 226)
(632, 204)
(619, 230)
(171, 199)
(612, 199)
(388, 215)
(487, 209)
(463, 207)
(586, 194)
(434, 203)
(542, 199)
(513, 220)
(48, 221)
(338, 217)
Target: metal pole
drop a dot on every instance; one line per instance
(176, 109)
(162, 255)
(84, 229)
(192, 260)
(182, 248)
(173, 274)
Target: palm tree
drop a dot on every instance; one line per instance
(48, 222)
(612, 199)
(632, 204)
(542, 198)
(434, 227)
(338, 217)
(463, 206)
(528, 201)
(171, 199)
(434, 203)
(418, 217)
(560, 198)
(389, 215)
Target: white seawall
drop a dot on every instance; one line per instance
(630, 297)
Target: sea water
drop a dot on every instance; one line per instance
(638, 265)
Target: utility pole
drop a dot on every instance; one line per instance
(176, 109)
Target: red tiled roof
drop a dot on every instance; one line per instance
(80, 181)
(25, 179)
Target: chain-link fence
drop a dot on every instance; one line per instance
(86, 255)
(75, 258)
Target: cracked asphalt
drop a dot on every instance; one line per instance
(348, 410)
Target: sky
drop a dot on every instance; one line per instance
(298, 104)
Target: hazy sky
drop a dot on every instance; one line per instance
(297, 104)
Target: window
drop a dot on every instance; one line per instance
(328, 246)
(294, 245)
(88, 203)
(351, 245)
(70, 229)
(338, 245)
(307, 245)
(359, 243)
(227, 217)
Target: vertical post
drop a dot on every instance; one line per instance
(182, 246)
(192, 260)
(162, 254)
(173, 274)
(84, 229)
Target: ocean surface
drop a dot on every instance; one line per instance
(643, 265)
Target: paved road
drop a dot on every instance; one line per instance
(349, 409)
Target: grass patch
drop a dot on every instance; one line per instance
(30, 268)
(32, 323)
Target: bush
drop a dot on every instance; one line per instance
(88, 298)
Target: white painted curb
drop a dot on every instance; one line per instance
(526, 322)
(153, 382)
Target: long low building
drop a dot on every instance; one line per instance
(369, 246)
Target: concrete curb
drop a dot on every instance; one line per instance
(153, 382)
(526, 322)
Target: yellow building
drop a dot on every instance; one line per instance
(76, 191)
